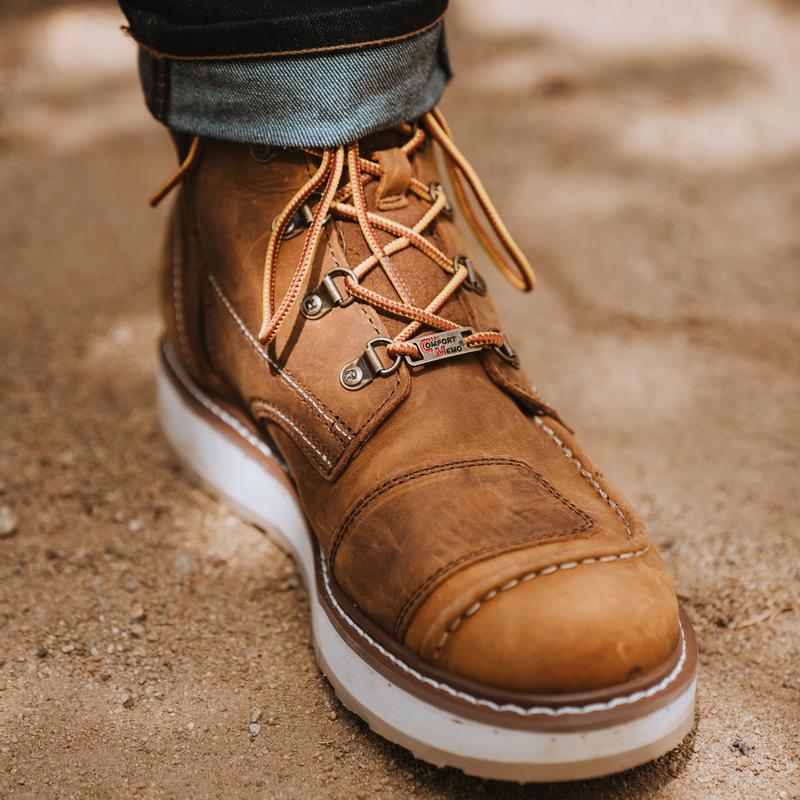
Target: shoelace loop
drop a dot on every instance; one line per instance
(326, 185)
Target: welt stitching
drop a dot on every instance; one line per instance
(160, 55)
(259, 404)
(564, 710)
(528, 576)
(304, 394)
(595, 484)
(588, 522)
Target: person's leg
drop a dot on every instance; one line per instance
(333, 366)
(304, 73)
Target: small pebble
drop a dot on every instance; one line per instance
(255, 729)
(41, 652)
(68, 648)
(128, 701)
(741, 747)
(137, 631)
(139, 615)
(255, 715)
(186, 564)
(8, 522)
(66, 458)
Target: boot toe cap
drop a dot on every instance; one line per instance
(577, 627)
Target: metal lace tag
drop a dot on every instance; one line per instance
(439, 345)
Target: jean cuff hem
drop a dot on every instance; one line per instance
(319, 100)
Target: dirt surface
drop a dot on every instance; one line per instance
(648, 156)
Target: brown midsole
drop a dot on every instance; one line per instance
(482, 697)
(588, 720)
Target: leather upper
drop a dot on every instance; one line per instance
(433, 488)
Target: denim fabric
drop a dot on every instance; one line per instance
(315, 101)
(252, 27)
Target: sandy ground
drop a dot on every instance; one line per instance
(648, 156)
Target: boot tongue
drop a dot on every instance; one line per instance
(396, 178)
(390, 196)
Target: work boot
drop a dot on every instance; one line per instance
(333, 368)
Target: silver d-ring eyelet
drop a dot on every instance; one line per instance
(363, 370)
(375, 361)
(327, 295)
(336, 296)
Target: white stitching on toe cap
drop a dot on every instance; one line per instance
(528, 576)
(558, 711)
(568, 454)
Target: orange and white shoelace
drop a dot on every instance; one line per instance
(345, 199)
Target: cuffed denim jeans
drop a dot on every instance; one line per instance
(303, 73)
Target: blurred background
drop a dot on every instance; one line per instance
(647, 156)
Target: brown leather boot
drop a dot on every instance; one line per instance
(334, 368)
